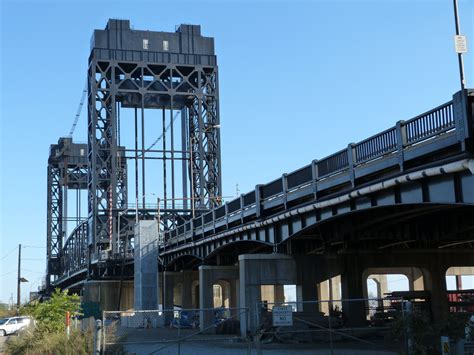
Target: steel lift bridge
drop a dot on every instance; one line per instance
(153, 121)
(153, 130)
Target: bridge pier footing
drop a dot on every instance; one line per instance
(261, 269)
(352, 288)
(182, 295)
(208, 276)
(145, 266)
(106, 294)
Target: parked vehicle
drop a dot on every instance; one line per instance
(13, 325)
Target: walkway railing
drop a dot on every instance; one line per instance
(445, 126)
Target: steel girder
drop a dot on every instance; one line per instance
(390, 216)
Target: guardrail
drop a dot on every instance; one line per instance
(446, 125)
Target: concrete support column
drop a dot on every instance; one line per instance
(279, 293)
(415, 279)
(169, 281)
(234, 294)
(206, 298)
(105, 294)
(436, 284)
(261, 269)
(382, 287)
(182, 296)
(186, 297)
(273, 293)
(145, 266)
(318, 280)
(352, 287)
(208, 276)
(309, 292)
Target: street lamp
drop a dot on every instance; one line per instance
(20, 279)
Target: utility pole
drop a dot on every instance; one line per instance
(458, 50)
(19, 277)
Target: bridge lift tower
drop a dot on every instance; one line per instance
(67, 170)
(153, 130)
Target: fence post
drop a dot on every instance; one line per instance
(246, 311)
(462, 121)
(401, 131)
(258, 201)
(68, 324)
(330, 330)
(407, 314)
(98, 337)
(284, 184)
(315, 176)
(258, 307)
(351, 159)
(179, 332)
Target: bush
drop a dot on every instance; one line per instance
(425, 335)
(49, 335)
(6, 311)
(50, 316)
(78, 343)
(422, 331)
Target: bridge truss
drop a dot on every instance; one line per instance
(139, 82)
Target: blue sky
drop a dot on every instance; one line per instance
(298, 81)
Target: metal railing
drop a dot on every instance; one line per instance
(353, 323)
(386, 148)
(172, 330)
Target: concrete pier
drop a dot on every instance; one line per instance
(177, 288)
(106, 294)
(261, 269)
(208, 277)
(146, 266)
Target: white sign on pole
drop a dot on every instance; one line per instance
(282, 316)
(460, 44)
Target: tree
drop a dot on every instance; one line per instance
(5, 310)
(50, 315)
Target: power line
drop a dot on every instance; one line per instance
(8, 273)
(33, 246)
(160, 136)
(36, 272)
(11, 251)
(32, 259)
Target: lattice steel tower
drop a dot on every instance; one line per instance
(152, 98)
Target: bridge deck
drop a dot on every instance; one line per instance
(438, 136)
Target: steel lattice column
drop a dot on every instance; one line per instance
(172, 74)
(107, 178)
(54, 221)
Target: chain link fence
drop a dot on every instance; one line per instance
(356, 323)
(171, 331)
